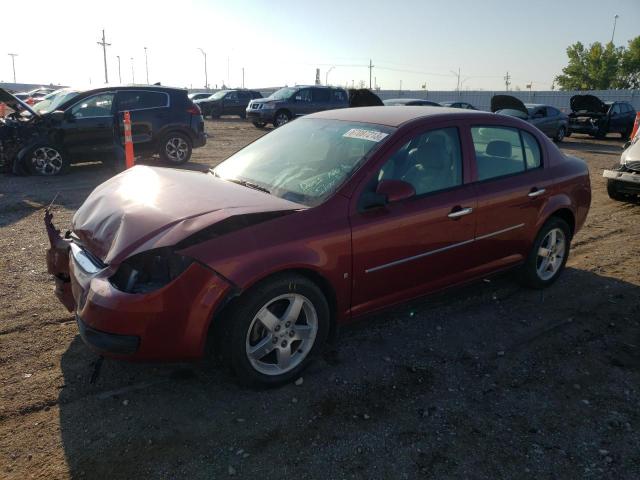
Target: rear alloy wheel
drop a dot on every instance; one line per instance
(281, 118)
(46, 161)
(275, 330)
(548, 255)
(560, 134)
(176, 148)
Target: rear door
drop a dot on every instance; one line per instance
(302, 102)
(409, 247)
(231, 104)
(510, 190)
(89, 129)
(149, 112)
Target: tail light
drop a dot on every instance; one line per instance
(194, 109)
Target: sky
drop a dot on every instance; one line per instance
(411, 43)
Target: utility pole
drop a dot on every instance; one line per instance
(370, 70)
(615, 20)
(104, 45)
(507, 80)
(119, 74)
(146, 64)
(457, 74)
(228, 70)
(133, 73)
(13, 64)
(326, 75)
(242, 77)
(206, 78)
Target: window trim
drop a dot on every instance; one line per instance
(524, 156)
(141, 109)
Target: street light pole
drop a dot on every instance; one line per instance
(206, 77)
(146, 64)
(104, 45)
(13, 64)
(326, 76)
(615, 20)
(133, 73)
(119, 73)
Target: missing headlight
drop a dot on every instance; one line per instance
(149, 271)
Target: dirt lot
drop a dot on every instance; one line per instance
(492, 381)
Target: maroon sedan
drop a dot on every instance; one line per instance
(331, 217)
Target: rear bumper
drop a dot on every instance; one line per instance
(200, 140)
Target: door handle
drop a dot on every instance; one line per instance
(536, 192)
(458, 212)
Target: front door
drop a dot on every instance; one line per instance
(409, 247)
(88, 129)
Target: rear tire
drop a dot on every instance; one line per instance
(274, 330)
(560, 134)
(548, 255)
(175, 148)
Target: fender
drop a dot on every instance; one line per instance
(556, 202)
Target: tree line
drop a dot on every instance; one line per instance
(601, 67)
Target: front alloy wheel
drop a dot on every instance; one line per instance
(280, 119)
(281, 334)
(274, 330)
(46, 161)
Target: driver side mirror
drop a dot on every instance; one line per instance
(387, 191)
(57, 116)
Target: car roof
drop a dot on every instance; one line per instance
(394, 116)
(156, 88)
(535, 105)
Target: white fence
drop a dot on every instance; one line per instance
(482, 99)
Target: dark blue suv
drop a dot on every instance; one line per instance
(89, 127)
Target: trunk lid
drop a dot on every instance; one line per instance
(507, 102)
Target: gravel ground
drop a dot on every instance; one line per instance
(486, 382)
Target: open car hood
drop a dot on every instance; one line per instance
(151, 207)
(507, 102)
(587, 103)
(15, 103)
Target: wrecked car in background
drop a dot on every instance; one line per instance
(89, 127)
(331, 217)
(594, 117)
(549, 120)
(623, 181)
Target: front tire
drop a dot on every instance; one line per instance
(281, 118)
(613, 192)
(548, 256)
(275, 330)
(46, 160)
(560, 134)
(176, 148)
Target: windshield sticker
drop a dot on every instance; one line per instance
(361, 133)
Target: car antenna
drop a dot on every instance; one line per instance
(51, 204)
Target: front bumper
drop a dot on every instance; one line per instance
(264, 116)
(626, 181)
(578, 127)
(168, 324)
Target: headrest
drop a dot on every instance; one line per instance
(499, 148)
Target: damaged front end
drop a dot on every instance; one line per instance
(18, 130)
(58, 261)
(624, 179)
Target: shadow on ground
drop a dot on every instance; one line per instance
(488, 381)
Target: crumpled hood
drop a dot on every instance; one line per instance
(15, 103)
(150, 207)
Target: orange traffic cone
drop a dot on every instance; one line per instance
(128, 141)
(3, 110)
(635, 126)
